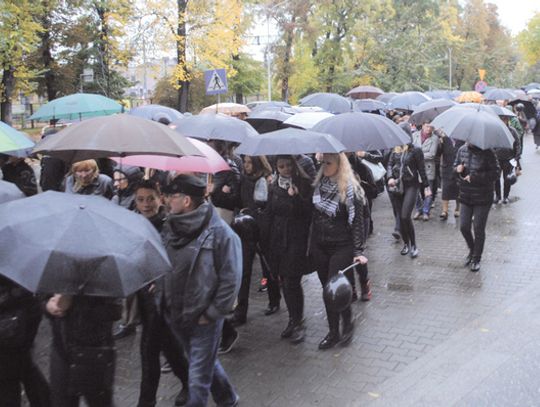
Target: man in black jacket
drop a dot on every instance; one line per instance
(195, 298)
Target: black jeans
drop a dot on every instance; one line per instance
(477, 215)
(506, 168)
(28, 374)
(249, 250)
(405, 204)
(294, 296)
(396, 210)
(156, 336)
(328, 260)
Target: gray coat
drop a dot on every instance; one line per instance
(429, 148)
(207, 267)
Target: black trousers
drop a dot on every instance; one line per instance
(476, 215)
(249, 250)
(294, 296)
(396, 210)
(18, 368)
(405, 204)
(328, 260)
(61, 395)
(156, 337)
(506, 168)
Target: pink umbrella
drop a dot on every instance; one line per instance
(211, 163)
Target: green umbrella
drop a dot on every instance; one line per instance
(77, 107)
(12, 140)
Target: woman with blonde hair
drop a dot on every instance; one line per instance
(85, 179)
(337, 235)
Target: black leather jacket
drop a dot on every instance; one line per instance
(483, 168)
(230, 178)
(327, 230)
(413, 167)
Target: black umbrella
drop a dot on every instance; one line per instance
(267, 120)
(408, 100)
(530, 110)
(478, 127)
(215, 127)
(115, 136)
(77, 244)
(9, 192)
(368, 105)
(290, 141)
(331, 102)
(499, 94)
(363, 131)
(427, 111)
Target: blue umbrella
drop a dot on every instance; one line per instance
(77, 106)
(14, 142)
(157, 113)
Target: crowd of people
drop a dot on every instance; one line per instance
(296, 214)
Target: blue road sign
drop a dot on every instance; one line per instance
(215, 81)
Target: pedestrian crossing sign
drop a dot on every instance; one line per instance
(215, 81)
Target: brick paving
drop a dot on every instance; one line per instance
(418, 307)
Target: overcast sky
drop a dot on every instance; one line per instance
(515, 14)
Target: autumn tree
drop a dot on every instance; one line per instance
(19, 31)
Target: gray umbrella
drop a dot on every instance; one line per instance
(331, 102)
(440, 94)
(408, 100)
(499, 94)
(215, 127)
(495, 109)
(427, 111)
(365, 92)
(9, 192)
(368, 105)
(77, 244)
(157, 113)
(386, 97)
(115, 136)
(290, 141)
(363, 131)
(480, 128)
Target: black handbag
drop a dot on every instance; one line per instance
(91, 369)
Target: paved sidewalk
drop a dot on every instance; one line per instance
(434, 334)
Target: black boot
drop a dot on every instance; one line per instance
(468, 259)
(348, 331)
(182, 397)
(288, 331)
(298, 333)
(329, 341)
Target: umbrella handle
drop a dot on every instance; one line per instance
(349, 267)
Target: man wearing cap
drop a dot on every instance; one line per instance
(195, 298)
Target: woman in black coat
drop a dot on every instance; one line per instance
(338, 236)
(449, 181)
(477, 171)
(20, 315)
(82, 353)
(285, 233)
(406, 174)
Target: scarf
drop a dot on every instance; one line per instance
(424, 136)
(326, 198)
(284, 182)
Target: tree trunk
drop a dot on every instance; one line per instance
(8, 84)
(289, 37)
(48, 61)
(103, 48)
(238, 94)
(183, 91)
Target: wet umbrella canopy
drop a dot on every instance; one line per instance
(77, 244)
(157, 113)
(480, 128)
(331, 102)
(427, 111)
(77, 107)
(114, 136)
(407, 100)
(9, 192)
(12, 140)
(363, 131)
(215, 127)
(290, 141)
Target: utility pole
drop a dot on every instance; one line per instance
(450, 68)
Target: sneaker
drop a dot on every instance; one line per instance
(366, 291)
(505, 201)
(417, 216)
(425, 217)
(497, 201)
(414, 252)
(124, 331)
(237, 320)
(227, 343)
(475, 266)
(264, 285)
